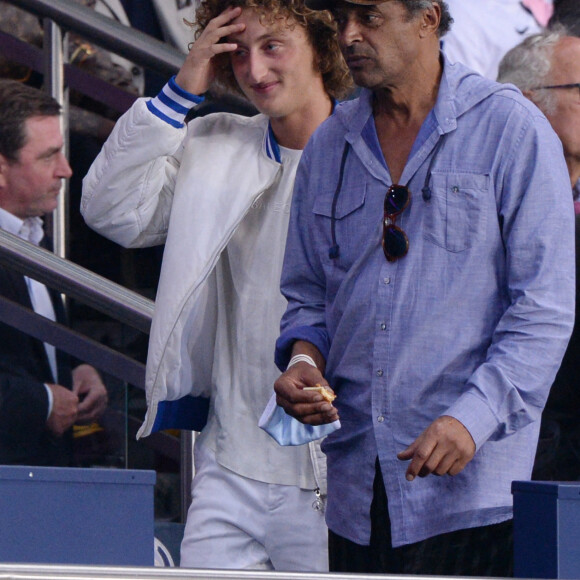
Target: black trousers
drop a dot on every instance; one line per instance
(482, 551)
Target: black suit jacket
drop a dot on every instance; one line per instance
(24, 368)
(558, 454)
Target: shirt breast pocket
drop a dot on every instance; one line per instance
(340, 221)
(456, 214)
(348, 199)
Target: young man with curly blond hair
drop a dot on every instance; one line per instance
(217, 192)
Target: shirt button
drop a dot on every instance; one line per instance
(380, 373)
(380, 418)
(383, 326)
(387, 280)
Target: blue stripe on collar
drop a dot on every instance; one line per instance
(272, 147)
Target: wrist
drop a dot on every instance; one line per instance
(186, 90)
(301, 358)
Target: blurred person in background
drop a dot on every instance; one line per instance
(484, 30)
(567, 14)
(546, 68)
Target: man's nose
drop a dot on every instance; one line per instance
(257, 67)
(349, 31)
(64, 169)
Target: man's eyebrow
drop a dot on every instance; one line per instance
(48, 152)
(262, 38)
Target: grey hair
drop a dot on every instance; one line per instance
(415, 6)
(528, 66)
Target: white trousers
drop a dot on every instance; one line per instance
(243, 524)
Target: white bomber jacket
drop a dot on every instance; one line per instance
(138, 194)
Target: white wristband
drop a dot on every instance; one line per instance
(301, 358)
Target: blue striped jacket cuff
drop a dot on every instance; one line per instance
(173, 103)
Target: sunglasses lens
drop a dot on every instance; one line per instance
(396, 199)
(395, 243)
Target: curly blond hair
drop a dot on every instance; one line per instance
(320, 30)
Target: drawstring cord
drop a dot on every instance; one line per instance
(334, 250)
(426, 188)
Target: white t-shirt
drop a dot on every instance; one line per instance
(252, 267)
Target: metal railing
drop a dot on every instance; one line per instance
(76, 282)
(111, 35)
(60, 17)
(68, 572)
(101, 294)
(105, 296)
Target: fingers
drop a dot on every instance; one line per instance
(309, 407)
(420, 452)
(222, 19)
(64, 410)
(211, 40)
(219, 28)
(444, 448)
(92, 393)
(92, 406)
(312, 412)
(457, 467)
(197, 72)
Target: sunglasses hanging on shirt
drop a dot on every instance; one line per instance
(395, 242)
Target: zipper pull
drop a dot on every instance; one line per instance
(318, 504)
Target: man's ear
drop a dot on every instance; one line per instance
(3, 167)
(430, 20)
(529, 94)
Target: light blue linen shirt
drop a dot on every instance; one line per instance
(471, 323)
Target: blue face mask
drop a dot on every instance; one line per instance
(289, 431)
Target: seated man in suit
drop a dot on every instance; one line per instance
(40, 398)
